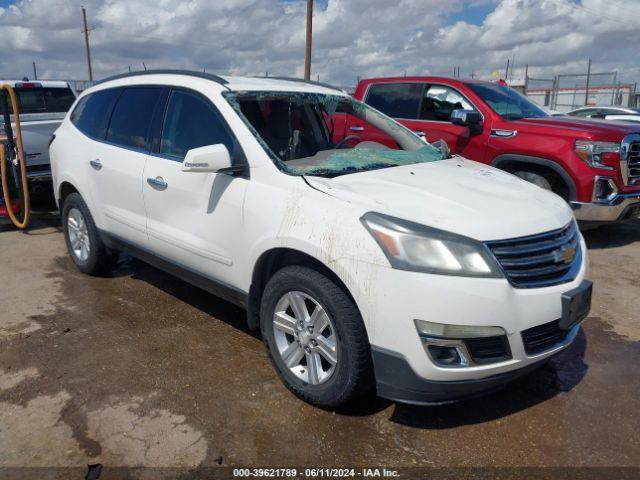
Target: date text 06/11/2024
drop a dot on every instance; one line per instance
(315, 473)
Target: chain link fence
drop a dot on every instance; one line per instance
(564, 93)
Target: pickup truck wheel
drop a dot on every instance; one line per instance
(534, 178)
(85, 247)
(315, 337)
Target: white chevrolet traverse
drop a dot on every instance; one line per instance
(425, 276)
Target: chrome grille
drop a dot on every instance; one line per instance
(633, 163)
(540, 260)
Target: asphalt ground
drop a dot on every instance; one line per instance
(140, 369)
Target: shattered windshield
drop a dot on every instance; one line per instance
(327, 135)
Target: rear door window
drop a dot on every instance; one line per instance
(397, 100)
(91, 114)
(191, 122)
(131, 118)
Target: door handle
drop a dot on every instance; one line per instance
(356, 128)
(158, 183)
(420, 133)
(96, 164)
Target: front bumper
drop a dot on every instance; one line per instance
(396, 380)
(620, 207)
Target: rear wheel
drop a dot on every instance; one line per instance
(315, 337)
(84, 244)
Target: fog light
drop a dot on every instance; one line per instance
(446, 345)
(443, 330)
(446, 356)
(604, 189)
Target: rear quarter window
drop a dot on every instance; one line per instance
(91, 114)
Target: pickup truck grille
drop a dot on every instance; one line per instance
(540, 260)
(634, 163)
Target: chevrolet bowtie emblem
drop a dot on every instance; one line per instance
(564, 254)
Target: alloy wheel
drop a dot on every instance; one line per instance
(305, 336)
(78, 235)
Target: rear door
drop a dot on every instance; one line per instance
(117, 163)
(399, 101)
(194, 218)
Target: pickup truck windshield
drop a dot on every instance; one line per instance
(44, 100)
(304, 133)
(506, 102)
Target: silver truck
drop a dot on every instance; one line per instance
(43, 105)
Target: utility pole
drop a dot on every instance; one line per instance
(506, 73)
(307, 57)
(86, 43)
(526, 78)
(35, 72)
(586, 90)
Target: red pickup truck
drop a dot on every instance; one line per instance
(594, 165)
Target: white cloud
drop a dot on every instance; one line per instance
(351, 37)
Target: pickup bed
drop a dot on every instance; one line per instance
(43, 105)
(594, 165)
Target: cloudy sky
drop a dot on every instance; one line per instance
(351, 37)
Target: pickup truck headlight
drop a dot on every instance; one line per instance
(418, 248)
(591, 152)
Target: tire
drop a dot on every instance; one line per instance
(84, 244)
(331, 385)
(534, 178)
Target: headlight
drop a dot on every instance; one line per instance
(414, 247)
(592, 152)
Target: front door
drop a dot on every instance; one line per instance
(193, 218)
(434, 122)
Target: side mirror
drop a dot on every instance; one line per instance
(211, 158)
(465, 118)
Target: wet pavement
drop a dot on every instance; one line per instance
(142, 369)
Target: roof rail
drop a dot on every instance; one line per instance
(189, 73)
(300, 80)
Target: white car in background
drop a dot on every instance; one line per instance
(430, 277)
(620, 114)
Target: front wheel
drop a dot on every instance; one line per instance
(534, 178)
(84, 244)
(315, 337)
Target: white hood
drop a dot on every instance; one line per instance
(457, 195)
